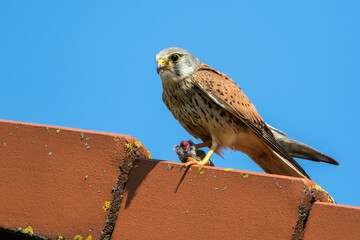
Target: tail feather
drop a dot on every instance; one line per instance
(300, 150)
(272, 162)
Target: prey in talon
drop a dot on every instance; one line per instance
(188, 153)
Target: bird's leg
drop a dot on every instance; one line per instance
(206, 159)
(203, 144)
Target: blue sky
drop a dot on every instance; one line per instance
(90, 65)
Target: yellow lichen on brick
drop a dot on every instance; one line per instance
(245, 175)
(136, 166)
(116, 139)
(106, 206)
(201, 173)
(149, 154)
(317, 187)
(137, 144)
(29, 230)
(330, 199)
(320, 189)
(78, 237)
(58, 130)
(60, 238)
(89, 237)
(129, 149)
(228, 169)
(129, 146)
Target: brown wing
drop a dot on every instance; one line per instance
(222, 87)
(227, 94)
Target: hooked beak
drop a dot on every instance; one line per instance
(160, 65)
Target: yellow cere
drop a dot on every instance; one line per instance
(58, 130)
(106, 206)
(60, 238)
(78, 237)
(228, 169)
(89, 237)
(161, 61)
(29, 230)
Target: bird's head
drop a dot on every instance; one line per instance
(175, 64)
(185, 145)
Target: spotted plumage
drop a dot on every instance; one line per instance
(212, 107)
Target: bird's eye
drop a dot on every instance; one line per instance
(175, 57)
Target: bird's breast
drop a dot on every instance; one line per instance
(201, 116)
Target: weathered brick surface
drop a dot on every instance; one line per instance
(211, 203)
(57, 180)
(333, 222)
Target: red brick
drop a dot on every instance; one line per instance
(210, 203)
(57, 179)
(55, 183)
(333, 222)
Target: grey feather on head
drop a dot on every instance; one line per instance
(185, 65)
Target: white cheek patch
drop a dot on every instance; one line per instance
(169, 78)
(186, 72)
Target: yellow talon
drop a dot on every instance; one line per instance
(190, 161)
(206, 159)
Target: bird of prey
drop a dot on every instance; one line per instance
(187, 151)
(213, 108)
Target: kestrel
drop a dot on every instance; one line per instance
(211, 107)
